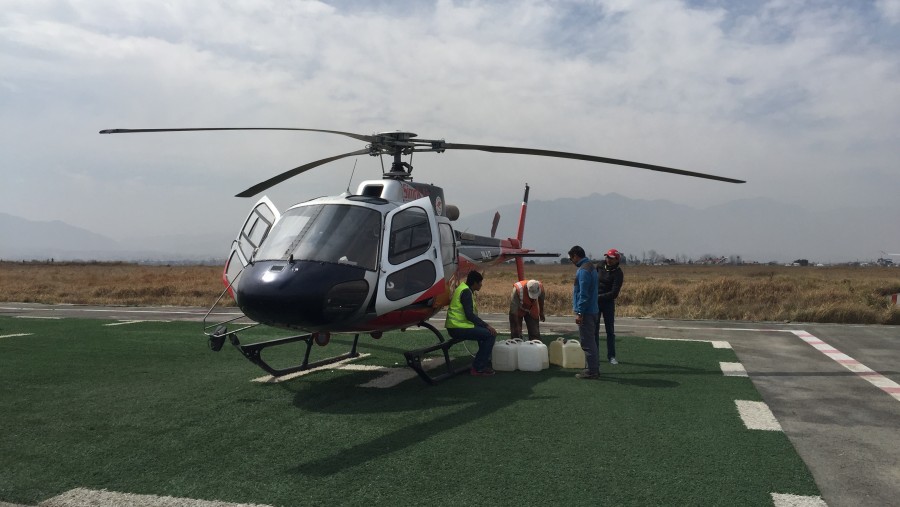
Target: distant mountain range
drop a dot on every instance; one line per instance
(22, 239)
(757, 229)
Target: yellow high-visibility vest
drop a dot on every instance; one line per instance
(456, 316)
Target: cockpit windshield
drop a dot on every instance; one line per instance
(335, 233)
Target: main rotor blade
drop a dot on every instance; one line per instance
(361, 137)
(259, 187)
(589, 158)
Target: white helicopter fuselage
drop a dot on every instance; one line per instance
(379, 259)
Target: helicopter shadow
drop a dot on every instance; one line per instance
(468, 399)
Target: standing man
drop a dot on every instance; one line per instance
(609, 283)
(463, 322)
(584, 303)
(526, 302)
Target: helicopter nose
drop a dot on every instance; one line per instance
(308, 295)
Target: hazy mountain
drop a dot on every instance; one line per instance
(757, 229)
(39, 240)
(26, 239)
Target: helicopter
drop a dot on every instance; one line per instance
(386, 257)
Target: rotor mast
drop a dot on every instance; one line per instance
(397, 144)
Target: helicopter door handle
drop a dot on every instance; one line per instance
(434, 250)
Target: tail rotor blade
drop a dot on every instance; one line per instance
(495, 223)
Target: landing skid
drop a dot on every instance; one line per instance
(414, 357)
(253, 352)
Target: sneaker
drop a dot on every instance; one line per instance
(486, 372)
(587, 376)
(612, 360)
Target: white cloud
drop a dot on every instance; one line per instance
(776, 92)
(890, 9)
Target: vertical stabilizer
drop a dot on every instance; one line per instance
(520, 264)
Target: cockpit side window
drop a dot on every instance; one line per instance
(410, 235)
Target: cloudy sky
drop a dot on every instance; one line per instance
(799, 98)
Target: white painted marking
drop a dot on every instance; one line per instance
(269, 379)
(873, 377)
(363, 367)
(82, 497)
(717, 344)
(757, 416)
(398, 375)
(14, 335)
(733, 369)
(123, 322)
(786, 500)
(37, 317)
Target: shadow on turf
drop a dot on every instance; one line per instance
(469, 398)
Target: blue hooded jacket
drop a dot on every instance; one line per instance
(584, 292)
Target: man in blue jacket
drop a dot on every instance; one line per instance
(584, 304)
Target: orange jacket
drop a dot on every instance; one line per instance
(526, 304)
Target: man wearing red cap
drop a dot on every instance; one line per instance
(610, 281)
(526, 302)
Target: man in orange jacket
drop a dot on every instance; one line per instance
(527, 302)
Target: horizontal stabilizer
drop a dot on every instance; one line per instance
(535, 254)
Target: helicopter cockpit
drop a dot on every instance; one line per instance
(337, 260)
(336, 233)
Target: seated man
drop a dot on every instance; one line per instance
(463, 323)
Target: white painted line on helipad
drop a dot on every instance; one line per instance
(398, 375)
(873, 377)
(717, 344)
(37, 317)
(757, 416)
(165, 311)
(787, 500)
(89, 497)
(15, 335)
(123, 322)
(362, 367)
(269, 379)
(732, 369)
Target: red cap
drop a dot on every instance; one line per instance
(613, 253)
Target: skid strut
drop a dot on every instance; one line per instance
(253, 352)
(414, 357)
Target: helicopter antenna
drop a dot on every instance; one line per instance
(351, 175)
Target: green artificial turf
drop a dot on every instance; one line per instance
(146, 408)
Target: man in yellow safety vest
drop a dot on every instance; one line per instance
(464, 323)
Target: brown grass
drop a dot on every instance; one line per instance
(756, 293)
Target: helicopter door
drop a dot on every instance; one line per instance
(255, 229)
(411, 260)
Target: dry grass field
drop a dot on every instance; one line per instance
(754, 293)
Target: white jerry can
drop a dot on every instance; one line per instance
(530, 356)
(544, 353)
(505, 356)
